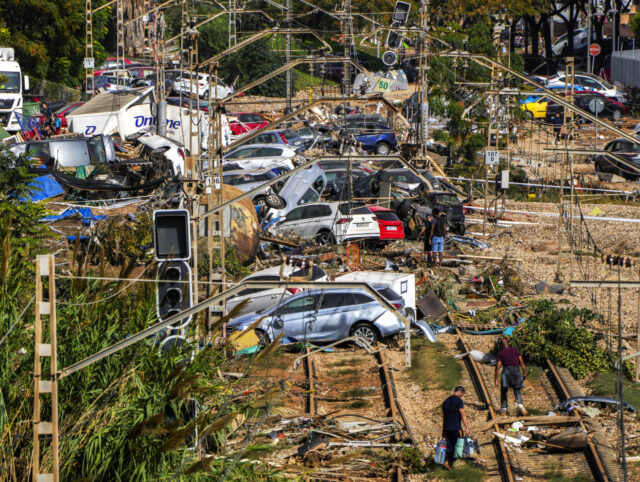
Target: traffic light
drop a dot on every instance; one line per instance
(401, 13)
(171, 238)
(173, 291)
(394, 39)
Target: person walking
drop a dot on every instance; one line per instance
(509, 363)
(437, 235)
(557, 122)
(426, 231)
(454, 416)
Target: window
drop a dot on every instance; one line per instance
(386, 216)
(306, 132)
(335, 300)
(289, 134)
(39, 150)
(250, 291)
(389, 294)
(97, 152)
(265, 139)
(12, 82)
(361, 299)
(353, 208)
(295, 214)
(316, 211)
(309, 197)
(318, 185)
(447, 199)
(268, 152)
(250, 118)
(242, 153)
(300, 305)
(316, 274)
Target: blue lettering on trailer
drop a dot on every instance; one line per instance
(89, 130)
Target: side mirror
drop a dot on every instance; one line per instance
(26, 82)
(278, 323)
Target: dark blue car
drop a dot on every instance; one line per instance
(374, 137)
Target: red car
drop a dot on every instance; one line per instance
(391, 228)
(65, 110)
(245, 122)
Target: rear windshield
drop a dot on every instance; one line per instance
(386, 216)
(389, 294)
(236, 179)
(448, 199)
(356, 208)
(289, 134)
(316, 274)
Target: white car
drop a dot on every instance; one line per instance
(263, 156)
(580, 37)
(201, 86)
(304, 187)
(590, 82)
(261, 299)
(169, 148)
(329, 222)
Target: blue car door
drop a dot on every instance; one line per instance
(368, 136)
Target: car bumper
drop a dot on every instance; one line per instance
(389, 325)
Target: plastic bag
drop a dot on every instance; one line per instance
(470, 447)
(441, 452)
(458, 452)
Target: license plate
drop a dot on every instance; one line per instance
(392, 228)
(362, 224)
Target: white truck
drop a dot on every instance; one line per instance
(12, 86)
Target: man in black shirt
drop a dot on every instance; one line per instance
(454, 416)
(426, 230)
(437, 235)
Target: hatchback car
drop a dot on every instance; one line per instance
(391, 228)
(201, 85)
(326, 315)
(63, 111)
(259, 156)
(286, 137)
(261, 299)
(246, 181)
(626, 150)
(245, 122)
(330, 222)
(589, 82)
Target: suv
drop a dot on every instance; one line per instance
(325, 315)
(372, 136)
(447, 202)
(330, 222)
(69, 152)
(201, 82)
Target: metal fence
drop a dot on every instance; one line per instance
(625, 67)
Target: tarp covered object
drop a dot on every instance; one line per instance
(44, 187)
(87, 216)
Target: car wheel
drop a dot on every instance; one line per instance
(383, 149)
(274, 201)
(205, 96)
(410, 314)
(325, 237)
(278, 186)
(263, 339)
(528, 114)
(616, 115)
(260, 201)
(365, 330)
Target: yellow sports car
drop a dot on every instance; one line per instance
(535, 106)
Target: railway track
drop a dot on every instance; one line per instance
(382, 406)
(598, 462)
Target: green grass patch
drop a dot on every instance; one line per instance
(432, 368)
(344, 371)
(604, 385)
(356, 404)
(533, 373)
(355, 393)
(304, 81)
(461, 470)
(555, 472)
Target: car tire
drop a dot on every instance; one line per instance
(410, 314)
(367, 331)
(205, 96)
(528, 115)
(383, 149)
(616, 115)
(274, 201)
(325, 237)
(263, 339)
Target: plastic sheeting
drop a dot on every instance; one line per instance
(44, 187)
(87, 216)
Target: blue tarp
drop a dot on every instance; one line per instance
(87, 216)
(44, 187)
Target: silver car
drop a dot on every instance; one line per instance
(246, 181)
(260, 299)
(324, 316)
(303, 187)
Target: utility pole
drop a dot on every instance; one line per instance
(232, 22)
(119, 44)
(424, 85)
(289, 78)
(88, 49)
(348, 34)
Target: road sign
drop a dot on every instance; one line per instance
(491, 158)
(594, 50)
(596, 105)
(89, 63)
